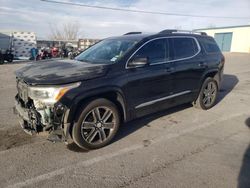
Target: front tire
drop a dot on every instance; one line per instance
(97, 124)
(208, 94)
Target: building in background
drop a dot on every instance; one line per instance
(85, 43)
(21, 43)
(44, 43)
(81, 43)
(232, 38)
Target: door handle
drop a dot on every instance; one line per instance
(202, 64)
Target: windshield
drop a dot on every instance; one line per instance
(106, 51)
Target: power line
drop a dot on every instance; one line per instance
(141, 11)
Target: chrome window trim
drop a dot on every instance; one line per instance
(162, 99)
(197, 43)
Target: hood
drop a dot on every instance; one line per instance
(55, 72)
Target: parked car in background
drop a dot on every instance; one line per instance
(115, 81)
(6, 55)
(6, 47)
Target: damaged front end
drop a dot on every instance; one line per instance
(40, 109)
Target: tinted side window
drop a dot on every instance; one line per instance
(210, 45)
(155, 51)
(184, 47)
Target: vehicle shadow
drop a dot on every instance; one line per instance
(228, 83)
(73, 147)
(244, 175)
(132, 126)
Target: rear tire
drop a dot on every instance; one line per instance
(208, 94)
(96, 125)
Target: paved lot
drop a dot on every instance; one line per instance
(180, 147)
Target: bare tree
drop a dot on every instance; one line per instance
(66, 31)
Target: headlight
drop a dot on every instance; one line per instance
(50, 95)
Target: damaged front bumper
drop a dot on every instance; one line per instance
(32, 120)
(24, 118)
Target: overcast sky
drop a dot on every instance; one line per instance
(37, 16)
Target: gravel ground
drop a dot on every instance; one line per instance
(179, 147)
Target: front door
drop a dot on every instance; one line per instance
(148, 86)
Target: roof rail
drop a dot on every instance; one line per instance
(132, 33)
(170, 31)
(202, 32)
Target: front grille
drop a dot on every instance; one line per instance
(22, 89)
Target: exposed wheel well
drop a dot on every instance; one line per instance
(210, 74)
(112, 96)
(214, 75)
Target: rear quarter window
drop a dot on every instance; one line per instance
(210, 45)
(184, 47)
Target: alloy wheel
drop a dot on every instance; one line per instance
(209, 94)
(98, 125)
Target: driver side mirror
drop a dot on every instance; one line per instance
(138, 62)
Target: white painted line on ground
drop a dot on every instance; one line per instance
(92, 161)
(82, 164)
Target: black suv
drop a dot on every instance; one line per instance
(117, 80)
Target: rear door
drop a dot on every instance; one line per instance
(150, 84)
(189, 64)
